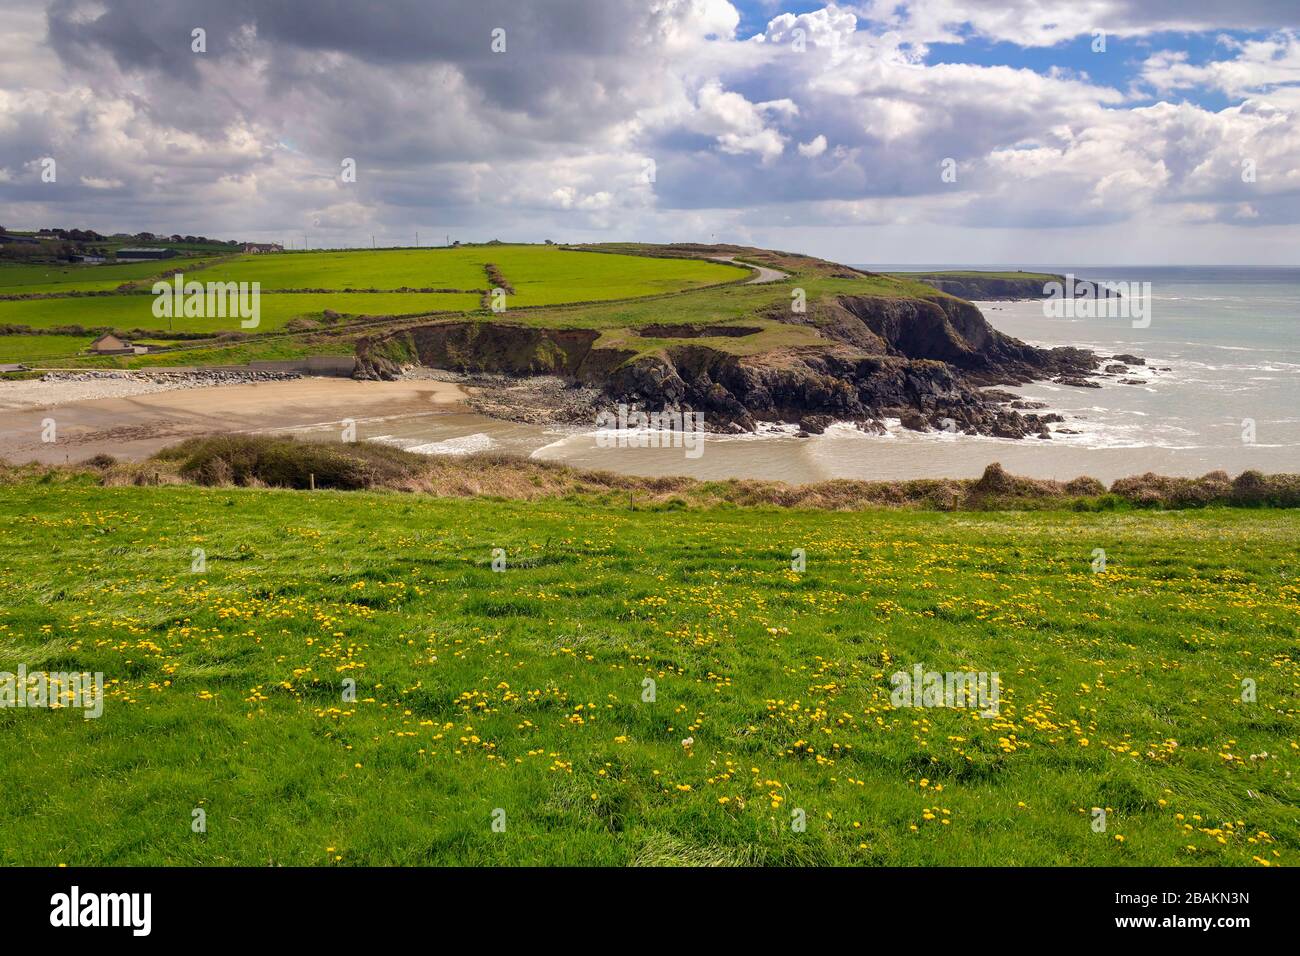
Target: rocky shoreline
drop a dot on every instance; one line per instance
(928, 363)
(928, 359)
(531, 400)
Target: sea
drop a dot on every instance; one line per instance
(1220, 391)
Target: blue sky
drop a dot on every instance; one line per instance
(1119, 66)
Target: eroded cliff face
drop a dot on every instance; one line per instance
(502, 347)
(920, 360)
(951, 330)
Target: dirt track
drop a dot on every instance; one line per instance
(764, 273)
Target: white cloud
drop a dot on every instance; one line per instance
(738, 125)
(827, 29)
(1258, 65)
(1049, 22)
(814, 148)
(552, 139)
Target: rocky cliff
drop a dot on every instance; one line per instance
(927, 361)
(997, 287)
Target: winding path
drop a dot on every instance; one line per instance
(764, 273)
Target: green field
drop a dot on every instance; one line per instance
(127, 312)
(540, 275)
(523, 691)
(26, 279)
(34, 348)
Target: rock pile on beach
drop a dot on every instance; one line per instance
(535, 400)
(85, 385)
(175, 378)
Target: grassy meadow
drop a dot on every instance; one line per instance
(27, 278)
(303, 285)
(520, 695)
(540, 275)
(32, 348)
(128, 312)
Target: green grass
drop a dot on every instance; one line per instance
(358, 269)
(726, 303)
(241, 352)
(542, 275)
(31, 348)
(24, 279)
(128, 312)
(522, 690)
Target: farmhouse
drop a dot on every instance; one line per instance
(138, 255)
(263, 247)
(110, 344)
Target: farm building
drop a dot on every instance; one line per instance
(263, 247)
(110, 344)
(136, 255)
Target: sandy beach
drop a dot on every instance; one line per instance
(131, 419)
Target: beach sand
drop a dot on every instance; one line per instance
(136, 424)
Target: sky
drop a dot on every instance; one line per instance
(1017, 132)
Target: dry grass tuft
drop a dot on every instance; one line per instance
(283, 462)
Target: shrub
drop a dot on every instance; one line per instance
(1085, 487)
(282, 462)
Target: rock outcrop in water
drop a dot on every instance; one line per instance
(994, 287)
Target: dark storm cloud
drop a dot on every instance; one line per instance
(547, 43)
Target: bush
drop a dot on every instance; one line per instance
(1254, 488)
(1085, 487)
(289, 463)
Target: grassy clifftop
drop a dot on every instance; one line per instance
(606, 286)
